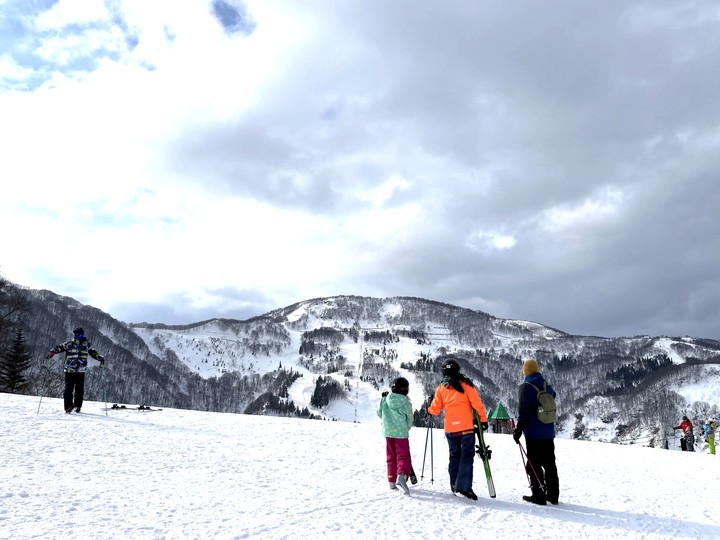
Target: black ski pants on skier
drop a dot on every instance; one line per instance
(541, 467)
(74, 390)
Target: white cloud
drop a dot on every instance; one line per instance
(503, 242)
(356, 149)
(490, 241)
(10, 69)
(382, 192)
(67, 12)
(599, 208)
(63, 49)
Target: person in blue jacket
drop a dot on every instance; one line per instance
(539, 438)
(76, 357)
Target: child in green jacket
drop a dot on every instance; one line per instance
(396, 413)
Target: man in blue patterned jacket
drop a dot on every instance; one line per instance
(76, 357)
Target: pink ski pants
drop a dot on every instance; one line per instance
(398, 457)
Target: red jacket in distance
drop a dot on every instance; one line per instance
(685, 425)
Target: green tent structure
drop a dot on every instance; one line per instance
(500, 420)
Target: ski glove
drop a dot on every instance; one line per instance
(484, 426)
(384, 394)
(101, 360)
(516, 436)
(50, 355)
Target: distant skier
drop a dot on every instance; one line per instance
(395, 410)
(76, 355)
(709, 432)
(687, 442)
(539, 438)
(457, 395)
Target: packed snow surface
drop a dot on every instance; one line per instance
(171, 474)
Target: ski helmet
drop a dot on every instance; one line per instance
(450, 367)
(79, 332)
(400, 386)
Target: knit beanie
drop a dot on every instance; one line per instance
(530, 366)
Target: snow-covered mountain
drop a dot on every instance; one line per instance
(331, 358)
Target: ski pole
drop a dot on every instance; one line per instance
(44, 385)
(427, 435)
(102, 366)
(432, 465)
(522, 458)
(541, 484)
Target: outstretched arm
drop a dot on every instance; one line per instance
(96, 355)
(58, 349)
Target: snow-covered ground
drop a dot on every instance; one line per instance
(175, 473)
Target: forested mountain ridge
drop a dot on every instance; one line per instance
(331, 357)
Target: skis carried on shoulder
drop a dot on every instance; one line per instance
(484, 452)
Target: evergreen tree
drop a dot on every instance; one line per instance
(14, 306)
(326, 389)
(14, 362)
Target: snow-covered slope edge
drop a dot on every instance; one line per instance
(191, 474)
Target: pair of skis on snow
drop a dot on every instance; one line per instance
(116, 407)
(484, 452)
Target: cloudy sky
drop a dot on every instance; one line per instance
(172, 161)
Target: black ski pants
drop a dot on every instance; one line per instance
(74, 390)
(541, 467)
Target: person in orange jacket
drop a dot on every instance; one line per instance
(457, 396)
